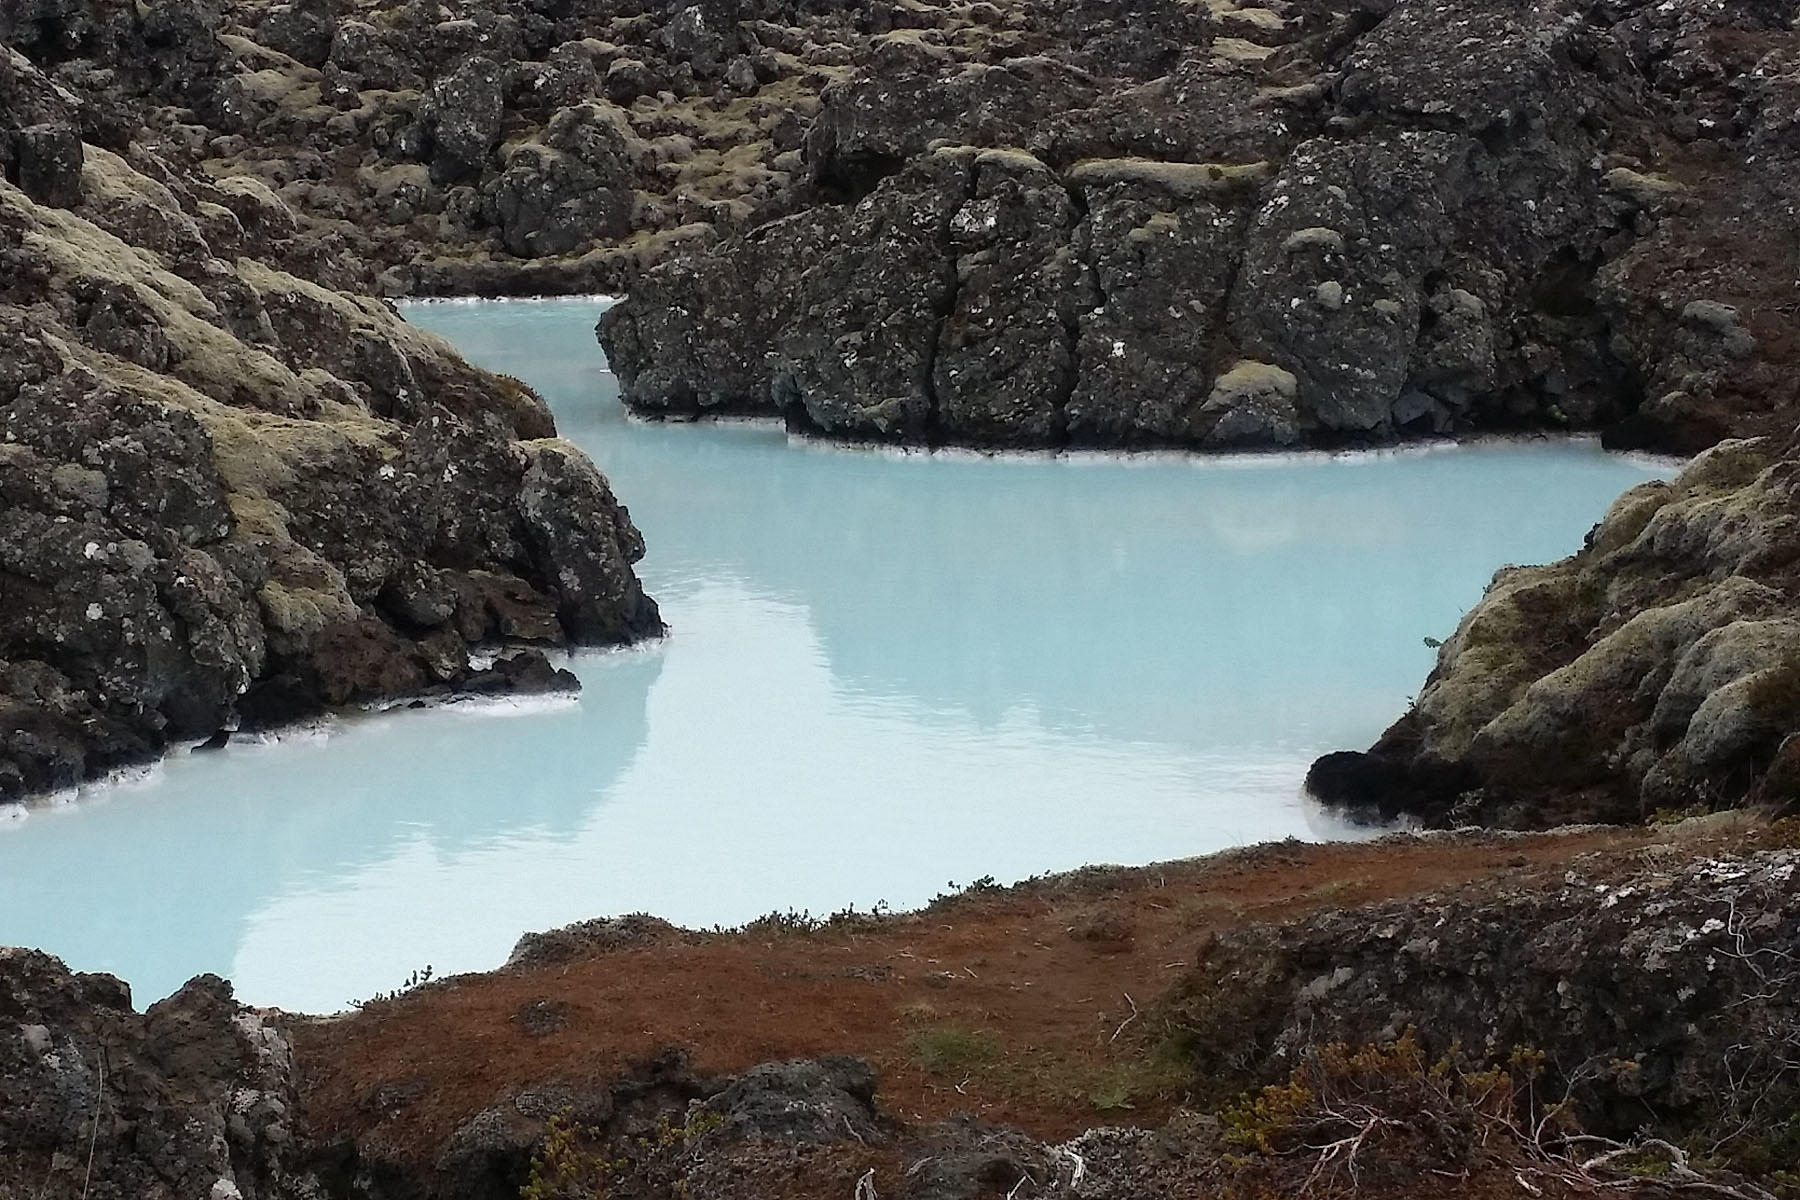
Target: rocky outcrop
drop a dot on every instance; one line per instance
(1449, 219)
(195, 1097)
(1657, 669)
(507, 146)
(231, 495)
(981, 297)
(1436, 218)
(1656, 992)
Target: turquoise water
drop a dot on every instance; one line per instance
(885, 672)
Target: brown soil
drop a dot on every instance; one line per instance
(1016, 1005)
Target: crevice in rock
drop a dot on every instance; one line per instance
(935, 432)
(848, 178)
(1357, 25)
(1070, 310)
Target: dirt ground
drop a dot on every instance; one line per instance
(1030, 1006)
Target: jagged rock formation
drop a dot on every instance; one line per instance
(229, 493)
(1663, 987)
(195, 1097)
(503, 147)
(1301, 223)
(1659, 668)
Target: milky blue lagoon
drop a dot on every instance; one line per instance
(885, 672)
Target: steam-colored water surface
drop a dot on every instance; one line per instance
(886, 672)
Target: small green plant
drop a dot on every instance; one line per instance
(1351, 1107)
(565, 1168)
(1122, 1086)
(417, 979)
(954, 1050)
(574, 1164)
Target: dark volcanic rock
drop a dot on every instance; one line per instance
(194, 1097)
(810, 1101)
(464, 119)
(228, 493)
(303, 31)
(1155, 241)
(1659, 668)
(1148, 303)
(910, 95)
(575, 187)
(1659, 991)
(49, 164)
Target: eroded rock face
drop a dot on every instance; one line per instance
(229, 494)
(1438, 221)
(577, 185)
(1656, 669)
(1107, 306)
(1656, 992)
(193, 1097)
(981, 297)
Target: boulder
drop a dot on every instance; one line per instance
(464, 120)
(48, 162)
(304, 30)
(574, 188)
(194, 1097)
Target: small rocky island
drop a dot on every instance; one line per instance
(236, 490)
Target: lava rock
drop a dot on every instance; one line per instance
(466, 107)
(49, 161)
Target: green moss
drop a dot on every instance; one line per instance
(954, 1049)
(1190, 181)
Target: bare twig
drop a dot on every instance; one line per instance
(1066, 1154)
(1127, 1020)
(94, 1135)
(1023, 1180)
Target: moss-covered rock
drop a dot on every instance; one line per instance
(223, 487)
(1653, 670)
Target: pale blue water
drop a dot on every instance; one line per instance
(885, 672)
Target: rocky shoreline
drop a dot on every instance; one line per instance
(236, 490)
(232, 497)
(1652, 671)
(1235, 225)
(1501, 1011)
